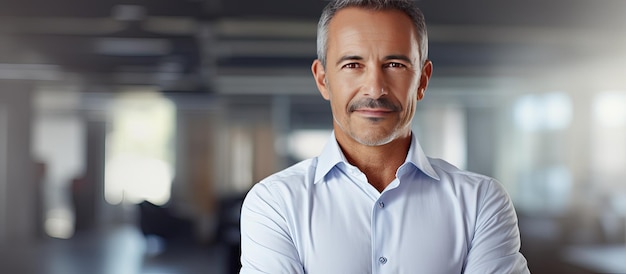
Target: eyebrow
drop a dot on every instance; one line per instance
(399, 57)
(387, 58)
(349, 58)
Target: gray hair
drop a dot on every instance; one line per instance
(406, 6)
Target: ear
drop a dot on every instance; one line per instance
(427, 71)
(320, 78)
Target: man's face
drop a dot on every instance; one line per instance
(373, 75)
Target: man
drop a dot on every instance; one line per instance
(372, 202)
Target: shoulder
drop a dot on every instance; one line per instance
(481, 197)
(285, 183)
(467, 182)
(296, 175)
(447, 170)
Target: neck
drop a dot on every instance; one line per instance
(378, 163)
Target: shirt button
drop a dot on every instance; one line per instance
(381, 204)
(382, 260)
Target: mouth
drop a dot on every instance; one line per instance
(374, 112)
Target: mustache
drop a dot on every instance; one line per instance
(383, 103)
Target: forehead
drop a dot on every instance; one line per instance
(357, 28)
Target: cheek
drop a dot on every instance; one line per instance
(410, 107)
(336, 103)
(339, 98)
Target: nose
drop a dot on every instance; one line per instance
(375, 86)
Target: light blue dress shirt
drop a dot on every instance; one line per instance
(321, 216)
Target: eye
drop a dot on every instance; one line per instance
(351, 65)
(395, 65)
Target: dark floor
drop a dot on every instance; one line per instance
(117, 250)
(552, 247)
(124, 250)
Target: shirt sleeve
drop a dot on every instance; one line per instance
(266, 243)
(496, 243)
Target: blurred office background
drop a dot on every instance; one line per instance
(130, 130)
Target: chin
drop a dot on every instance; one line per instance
(368, 135)
(372, 140)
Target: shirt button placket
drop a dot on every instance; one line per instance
(382, 260)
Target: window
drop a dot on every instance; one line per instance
(140, 158)
(548, 111)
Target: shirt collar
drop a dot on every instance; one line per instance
(417, 157)
(332, 155)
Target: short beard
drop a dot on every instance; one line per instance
(374, 103)
(373, 142)
(382, 102)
